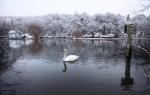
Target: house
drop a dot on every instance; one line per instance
(19, 35)
(108, 36)
(15, 34)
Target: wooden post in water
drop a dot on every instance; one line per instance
(129, 41)
(127, 81)
(129, 29)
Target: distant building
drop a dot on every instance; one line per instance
(15, 34)
(19, 35)
(108, 36)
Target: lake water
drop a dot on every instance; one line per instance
(36, 68)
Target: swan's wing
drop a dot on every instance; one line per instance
(71, 58)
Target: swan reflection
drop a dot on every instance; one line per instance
(65, 65)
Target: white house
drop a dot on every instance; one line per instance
(15, 34)
(108, 36)
(19, 35)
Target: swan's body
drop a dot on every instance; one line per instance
(69, 58)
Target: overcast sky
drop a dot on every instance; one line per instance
(43, 7)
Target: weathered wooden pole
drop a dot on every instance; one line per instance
(129, 29)
(129, 41)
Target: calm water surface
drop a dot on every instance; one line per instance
(36, 68)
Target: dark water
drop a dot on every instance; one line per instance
(36, 68)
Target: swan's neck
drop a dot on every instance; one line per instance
(65, 54)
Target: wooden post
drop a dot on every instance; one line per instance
(127, 80)
(129, 41)
(130, 30)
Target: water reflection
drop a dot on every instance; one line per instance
(65, 67)
(19, 43)
(35, 47)
(127, 81)
(7, 57)
(65, 64)
(39, 69)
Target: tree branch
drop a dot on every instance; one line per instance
(142, 49)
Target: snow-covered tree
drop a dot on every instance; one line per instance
(65, 25)
(143, 25)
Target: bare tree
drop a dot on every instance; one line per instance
(145, 5)
(36, 30)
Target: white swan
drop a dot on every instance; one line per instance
(69, 58)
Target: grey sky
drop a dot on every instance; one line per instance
(43, 7)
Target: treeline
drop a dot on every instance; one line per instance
(80, 24)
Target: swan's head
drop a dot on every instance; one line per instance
(64, 50)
